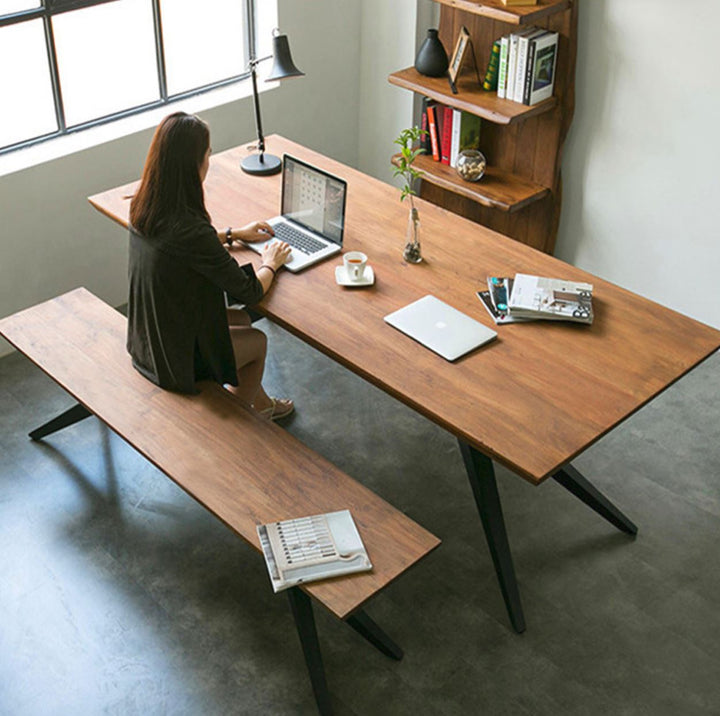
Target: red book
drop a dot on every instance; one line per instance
(446, 136)
(432, 125)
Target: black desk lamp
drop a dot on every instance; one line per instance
(283, 68)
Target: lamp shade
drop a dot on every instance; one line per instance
(283, 65)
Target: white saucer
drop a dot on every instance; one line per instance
(368, 278)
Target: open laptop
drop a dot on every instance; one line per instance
(440, 327)
(312, 214)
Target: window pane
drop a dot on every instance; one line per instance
(25, 84)
(202, 46)
(106, 59)
(7, 7)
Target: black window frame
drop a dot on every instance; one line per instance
(49, 8)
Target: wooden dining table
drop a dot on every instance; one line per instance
(532, 400)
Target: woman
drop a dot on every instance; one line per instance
(179, 330)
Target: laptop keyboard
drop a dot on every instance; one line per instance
(297, 239)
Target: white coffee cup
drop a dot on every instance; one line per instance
(355, 262)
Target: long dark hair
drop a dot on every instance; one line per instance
(170, 186)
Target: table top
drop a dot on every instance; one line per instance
(534, 398)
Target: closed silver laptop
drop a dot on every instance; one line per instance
(440, 327)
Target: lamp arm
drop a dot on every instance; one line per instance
(256, 102)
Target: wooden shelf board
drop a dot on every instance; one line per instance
(497, 189)
(470, 97)
(517, 15)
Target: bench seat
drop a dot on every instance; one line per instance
(245, 470)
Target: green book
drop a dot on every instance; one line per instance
(465, 133)
(490, 83)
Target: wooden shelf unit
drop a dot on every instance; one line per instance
(520, 194)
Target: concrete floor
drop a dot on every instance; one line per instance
(120, 595)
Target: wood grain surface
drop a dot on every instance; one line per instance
(519, 15)
(497, 189)
(471, 98)
(244, 470)
(533, 399)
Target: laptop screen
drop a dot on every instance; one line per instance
(313, 198)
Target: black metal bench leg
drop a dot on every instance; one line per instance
(573, 481)
(69, 417)
(367, 628)
(301, 607)
(482, 480)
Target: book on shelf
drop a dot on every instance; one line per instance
(521, 62)
(541, 68)
(502, 66)
(511, 63)
(527, 65)
(433, 130)
(446, 129)
(425, 137)
(490, 82)
(465, 133)
(550, 299)
(311, 548)
(513, 57)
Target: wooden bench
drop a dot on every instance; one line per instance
(244, 470)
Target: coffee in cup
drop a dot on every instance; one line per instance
(355, 262)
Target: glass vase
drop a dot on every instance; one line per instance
(471, 165)
(411, 253)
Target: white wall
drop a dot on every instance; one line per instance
(641, 164)
(391, 33)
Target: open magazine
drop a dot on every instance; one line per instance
(311, 548)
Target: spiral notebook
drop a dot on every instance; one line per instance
(311, 548)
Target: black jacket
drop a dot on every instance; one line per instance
(177, 323)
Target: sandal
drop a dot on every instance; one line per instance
(280, 408)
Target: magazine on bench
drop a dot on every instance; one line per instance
(311, 548)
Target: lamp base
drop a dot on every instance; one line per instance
(261, 164)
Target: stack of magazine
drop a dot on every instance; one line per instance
(531, 298)
(311, 548)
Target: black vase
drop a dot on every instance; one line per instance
(432, 60)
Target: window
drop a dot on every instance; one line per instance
(72, 64)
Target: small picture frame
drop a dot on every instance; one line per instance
(458, 55)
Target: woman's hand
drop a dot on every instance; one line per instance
(257, 231)
(275, 254)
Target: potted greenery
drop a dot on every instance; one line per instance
(403, 162)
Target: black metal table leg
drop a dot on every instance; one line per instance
(482, 480)
(573, 481)
(301, 607)
(367, 628)
(69, 417)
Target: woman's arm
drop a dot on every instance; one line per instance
(274, 255)
(257, 231)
